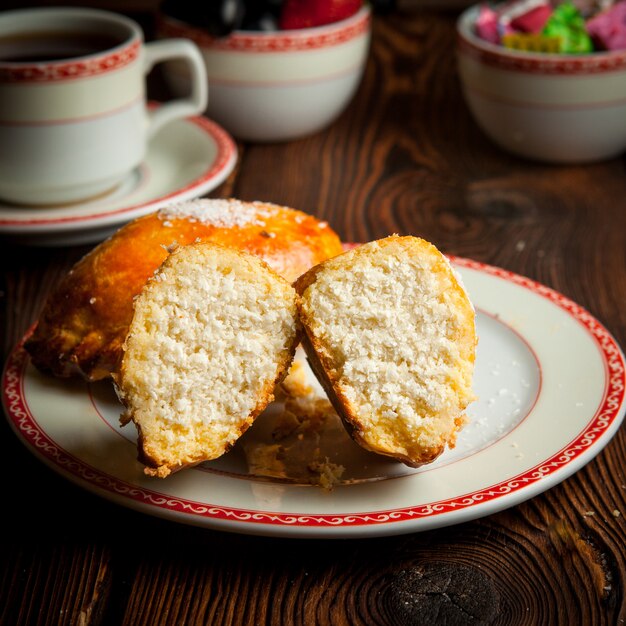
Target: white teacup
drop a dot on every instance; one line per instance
(73, 116)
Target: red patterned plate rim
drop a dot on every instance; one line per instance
(591, 439)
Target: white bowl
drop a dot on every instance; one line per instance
(549, 107)
(275, 86)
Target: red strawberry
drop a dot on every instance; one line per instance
(308, 13)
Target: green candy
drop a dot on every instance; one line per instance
(568, 24)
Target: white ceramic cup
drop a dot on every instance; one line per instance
(73, 127)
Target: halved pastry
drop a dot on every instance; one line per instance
(212, 334)
(390, 334)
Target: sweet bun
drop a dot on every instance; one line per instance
(213, 332)
(389, 331)
(85, 320)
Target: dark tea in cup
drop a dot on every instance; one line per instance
(39, 47)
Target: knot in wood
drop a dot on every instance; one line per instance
(441, 593)
(500, 203)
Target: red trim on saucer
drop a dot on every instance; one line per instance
(56, 71)
(608, 412)
(550, 64)
(279, 41)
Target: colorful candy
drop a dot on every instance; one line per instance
(608, 29)
(568, 25)
(530, 42)
(532, 21)
(487, 24)
(557, 26)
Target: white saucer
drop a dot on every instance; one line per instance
(185, 160)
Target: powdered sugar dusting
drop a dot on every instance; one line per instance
(220, 212)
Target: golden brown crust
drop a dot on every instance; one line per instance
(85, 320)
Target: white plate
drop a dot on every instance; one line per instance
(551, 385)
(186, 159)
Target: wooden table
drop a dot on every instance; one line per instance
(405, 157)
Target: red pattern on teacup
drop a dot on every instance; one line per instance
(544, 63)
(268, 42)
(69, 70)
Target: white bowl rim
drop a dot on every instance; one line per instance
(362, 15)
(600, 60)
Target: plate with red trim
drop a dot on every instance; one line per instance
(186, 159)
(550, 382)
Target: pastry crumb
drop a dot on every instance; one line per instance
(327, 474)
(294, 448)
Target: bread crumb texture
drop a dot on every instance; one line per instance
(212, 333)
(393, 334)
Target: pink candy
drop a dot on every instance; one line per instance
(532, 21)
(608, 29)
(518, 16)
(487, 24)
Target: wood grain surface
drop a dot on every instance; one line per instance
(404, 158)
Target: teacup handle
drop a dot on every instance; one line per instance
(183, 49)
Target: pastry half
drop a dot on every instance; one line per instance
(212, 334)
(390, 334)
